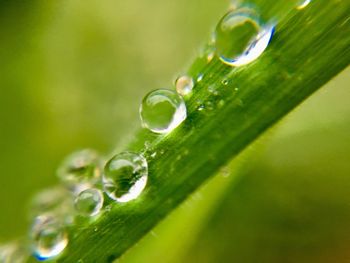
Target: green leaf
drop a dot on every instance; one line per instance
(309, 47)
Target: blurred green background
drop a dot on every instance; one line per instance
(72, 74)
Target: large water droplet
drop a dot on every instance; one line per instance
(240, 38)
(48, 236)
(79, 169)
(162, 111)
(184, 85)
(125, 176)
(89, 202)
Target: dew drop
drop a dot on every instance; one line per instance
(89, 202)
(79, 169)
(201, 107)
(225, 82)
(125, 176)
(184, 85)
(48, 236)
(162, 111)
(240, 38)
(200, 77)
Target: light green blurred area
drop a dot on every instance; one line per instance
(72, 75)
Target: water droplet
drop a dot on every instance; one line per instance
(125, 176)
(303, 4)
(13, 253)
(225, 82)
(240, 38)
(184, 85)
(200, 107)
(89, 202)
(210, 56)
(80, 168)
(162, 111)
(49, 237)
(200, 77)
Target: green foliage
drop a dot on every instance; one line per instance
(309, 48)
(265, 91)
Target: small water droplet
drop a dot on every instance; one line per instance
(201, 107)
(80, 168)
(48, 236)
(89, 202)
(184, 85)
(224, 82)
(125, 176)
(303, 4)
(240, 38)
(162, 111)
(210, 56)
(200, 77)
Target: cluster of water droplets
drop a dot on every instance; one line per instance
(86, 179)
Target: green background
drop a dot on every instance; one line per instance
(72, 75)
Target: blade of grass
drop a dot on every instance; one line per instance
(309, 48)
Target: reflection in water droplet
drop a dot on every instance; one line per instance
(303, 4)
(89, 202)
(80, 168)
(240, 38)
(184, 85)
(162, 111)
(48, 236)
(125, 176)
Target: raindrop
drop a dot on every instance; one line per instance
(48, 236)
(162, 111)
(125, 176)
(184, 85)
(89, 202)
(80, 170)
(240, 38)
